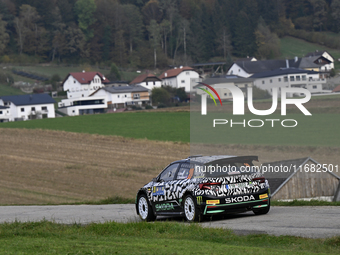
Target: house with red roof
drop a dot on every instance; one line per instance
(336, 89)
(148, 81)
(82, 84)
(180, 77)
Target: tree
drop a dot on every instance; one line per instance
(335, 7)
(268, 44)
(320, 14)
(133, 25)
(4, 37)
(31, 36)
(154, 38)
(160, 96)
(114, 73)
(84, 10)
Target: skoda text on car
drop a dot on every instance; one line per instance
(205, 185)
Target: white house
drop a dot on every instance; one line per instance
(83, 84)
(148, 81)
(119, 97)
(220, 83)
(4, 112)
(312, 63)
(289, 78)
(25, 107)
(182, 77)
(324, 58)
(82, 105)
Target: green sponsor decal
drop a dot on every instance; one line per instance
(199, 200)
(164, 207)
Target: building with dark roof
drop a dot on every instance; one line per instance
(289, 78)
(302, 178)
(25, 107)
(311, 63)
(320, 58)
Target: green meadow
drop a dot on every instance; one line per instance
(317, 130)
(149, 238)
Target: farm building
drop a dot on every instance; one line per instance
(302, 179)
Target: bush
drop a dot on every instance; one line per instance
(161, 106)
(147, 107)
(135, 107)
(332, 72)
(260, 93)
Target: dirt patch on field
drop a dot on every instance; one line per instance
(40, 166)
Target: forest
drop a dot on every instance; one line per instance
(159, 33)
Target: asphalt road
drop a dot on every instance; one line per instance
(306, 221)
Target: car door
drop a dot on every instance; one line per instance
(161, 190)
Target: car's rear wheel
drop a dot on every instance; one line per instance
(144, 209)
(191, 212)
(261, 211)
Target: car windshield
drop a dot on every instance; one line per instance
(222, 170)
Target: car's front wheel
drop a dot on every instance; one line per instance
(191, 212)
(144, 209)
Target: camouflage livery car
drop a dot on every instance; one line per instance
(204, 185)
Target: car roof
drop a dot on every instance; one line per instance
(209, 159)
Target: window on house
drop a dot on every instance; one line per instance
(118, 96)
(182, 81)
(74, 81)
(246, 85)
(22, 109)
(136, 96)
(271, 81)
(304, 77)
(285, 78)
(125, 95)
(239, 70)
(298, 78)
(229, 94)
(33, 109)
(0, 112)
(262, 82)
(147, 83)
(44, 108)
(187, 73)
(279, 79)
(226, 94)
(154, 83)
(314, 87)
(292, 78)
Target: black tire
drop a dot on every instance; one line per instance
(191, 212)
(144, 209)
(262, 211)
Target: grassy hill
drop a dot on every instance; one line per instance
(291, 47)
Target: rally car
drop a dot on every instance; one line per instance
(205, 185)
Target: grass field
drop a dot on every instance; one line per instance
(291, 47)
(175, 126)
(162, 126)
(6, 90)
(146, 238)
